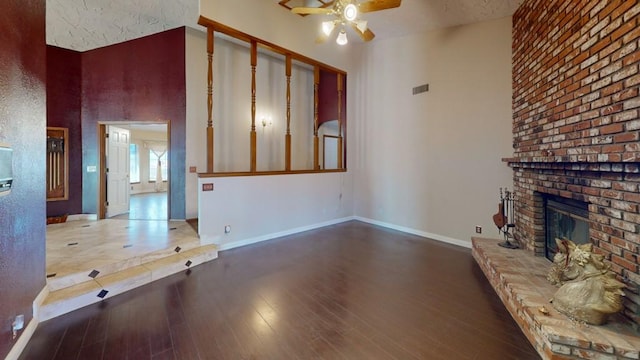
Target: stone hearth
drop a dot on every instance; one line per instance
(519, 279)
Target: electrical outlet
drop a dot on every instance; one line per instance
(478, 229)
(17, 325)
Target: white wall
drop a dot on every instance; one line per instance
(432, 162)
(196, 143)
(428, 163)
(272, 23)
(263, 207)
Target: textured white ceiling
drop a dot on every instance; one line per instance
(88, 24)
(417, 16)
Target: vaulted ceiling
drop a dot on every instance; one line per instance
(88, 24)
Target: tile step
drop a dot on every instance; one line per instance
(63, 281)
(67, 299)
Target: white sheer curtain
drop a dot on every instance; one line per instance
(159, 149)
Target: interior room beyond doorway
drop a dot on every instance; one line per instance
(146, 189)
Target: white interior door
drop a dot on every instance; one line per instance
(117, 171)
(330, 145)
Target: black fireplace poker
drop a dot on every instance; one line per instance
(504, 219)
(508, 235)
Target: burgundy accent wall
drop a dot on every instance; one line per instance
(142, 80)
(328, 103)
(328, 97)
(63, 110)
(22, 125)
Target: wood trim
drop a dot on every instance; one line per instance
(57, 173)
(254, 42)
(210, 131)
(253, 145)
(169, 152)
(316, 100)
(340, 90)
(102, 176)
(340, 155)
(287, 136)
(216, 26)
(287, 152)
(264, 173)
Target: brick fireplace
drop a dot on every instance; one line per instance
(576, 124)
(613, 215)
(576, 135)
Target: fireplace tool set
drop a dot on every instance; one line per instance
(504, 218)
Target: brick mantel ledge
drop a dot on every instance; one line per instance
(576, 163)
(519, 279)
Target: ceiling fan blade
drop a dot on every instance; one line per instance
(321, 39)
(366, 35)
(375, 5)
(311, 10)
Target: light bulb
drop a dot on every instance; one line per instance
(327, 27)
(350, 12)
(342, 38)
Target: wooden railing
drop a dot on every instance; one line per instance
(290, 56)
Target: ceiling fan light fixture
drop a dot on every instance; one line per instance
(361, 25)
(350, 12)
(342, 38)
(327, 27)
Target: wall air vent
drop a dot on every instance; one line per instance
(420, 89)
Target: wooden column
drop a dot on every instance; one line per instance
(316, 148)
(210, 101)
(340, 90)
(287, 136)
(254, 63)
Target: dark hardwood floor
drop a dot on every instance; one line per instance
(348, 291)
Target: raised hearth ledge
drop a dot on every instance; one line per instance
(519, 279)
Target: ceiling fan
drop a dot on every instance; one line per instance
(345, 13)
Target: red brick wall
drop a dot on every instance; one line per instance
(576, 123)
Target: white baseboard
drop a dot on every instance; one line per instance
(39, 300)
(30, 329)
(441, 238)
(266, 237)
(257, 239)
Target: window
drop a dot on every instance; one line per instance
(134, 164)
(153, 165)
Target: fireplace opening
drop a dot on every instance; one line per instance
(564, 218)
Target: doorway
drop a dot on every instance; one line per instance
(135, 167)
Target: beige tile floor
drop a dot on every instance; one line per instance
(112, 245)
